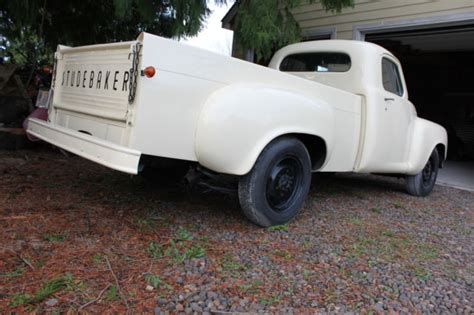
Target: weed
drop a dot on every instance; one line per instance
(54, 237)
(422, 273)
(229, 264)
(204, 238)
(112, 293)
(20, 299)
(153, 280)
(184, 235)
(15, 273)
(154, 250)
(398, 205)
(282, 253)
(195, 252)
(251, 288)
(426, 252)
(307, 244)
(146, 223)
(49, 287)
(356, 221)
(283, 227)
(178, 252)
(306, 274)
(376, 210)
(97, 259)
(270, 301)
(39, 263)
(388, 233)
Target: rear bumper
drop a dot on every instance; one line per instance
(97, 150)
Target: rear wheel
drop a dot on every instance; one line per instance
(276, 187)
(422, 184)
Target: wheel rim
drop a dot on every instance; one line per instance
(283, 183)
(428, 173)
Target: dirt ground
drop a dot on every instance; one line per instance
(77, 237)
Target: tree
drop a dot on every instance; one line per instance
(34, 28)
(267, 25)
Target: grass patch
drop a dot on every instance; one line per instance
(15, 273)
(179, 251)
(426, 252)
(282, 227)
(97, 259)
(376, 210)
(398, 205)
(251, 288)
(154, 250)
(422, 273)
(184, 235)
(229, 265)
(54, 237)
(112, 293)
(49, 287)
(282, 253)
(270, 300)
(156, 282)
(386, 245)
(307, 274)
(356, 221)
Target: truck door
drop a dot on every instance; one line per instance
(396, 116)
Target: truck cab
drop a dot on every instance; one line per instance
(390, 127)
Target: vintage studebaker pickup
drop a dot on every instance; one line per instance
(321, 106)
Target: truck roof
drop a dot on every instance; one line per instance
(357, 49)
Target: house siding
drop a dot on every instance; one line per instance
(313, 18)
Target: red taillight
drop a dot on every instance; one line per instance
(149, 72)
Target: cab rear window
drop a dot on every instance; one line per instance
(316, 62)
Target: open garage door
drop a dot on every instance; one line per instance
(439, 69)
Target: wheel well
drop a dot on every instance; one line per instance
(442, 154)
(316, 147)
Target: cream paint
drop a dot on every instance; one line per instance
(222, 112)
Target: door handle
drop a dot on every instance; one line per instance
(389, 99)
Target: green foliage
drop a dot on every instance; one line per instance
(184, 235)
(49, 287)
(154, 250)
(182, 247)
(34, 28)
(54, 237)
(267, 25)
(97, 259)
(282, 253)
(15, 273)
(179, 252)
(155, 281)
(112, 293)
(283, 227)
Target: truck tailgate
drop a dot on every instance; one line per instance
(95, 80)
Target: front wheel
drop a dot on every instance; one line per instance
(422, 184)
(276, 187)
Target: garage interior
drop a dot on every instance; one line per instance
(438, 65)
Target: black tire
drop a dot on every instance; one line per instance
(273, 192)
(422, 184)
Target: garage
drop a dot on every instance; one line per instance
(439, 66)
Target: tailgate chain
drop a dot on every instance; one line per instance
(134, 73)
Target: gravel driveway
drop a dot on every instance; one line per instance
(77, 236)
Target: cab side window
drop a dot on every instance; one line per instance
(391, 77)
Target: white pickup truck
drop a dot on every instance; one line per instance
(322, 106)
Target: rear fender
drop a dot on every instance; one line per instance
(426, 137)
(238, 121)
